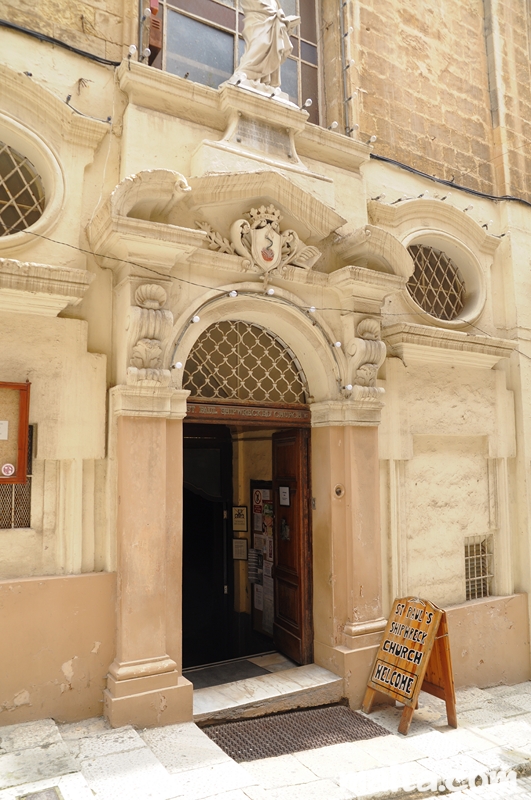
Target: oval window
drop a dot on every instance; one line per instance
(436, 285)
(21, 192)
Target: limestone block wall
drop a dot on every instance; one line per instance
(99, 28)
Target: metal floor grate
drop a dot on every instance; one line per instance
(278, 735)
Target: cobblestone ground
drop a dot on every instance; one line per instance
(488, 757)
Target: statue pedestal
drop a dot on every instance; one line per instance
(260, 130)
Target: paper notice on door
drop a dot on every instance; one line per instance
(258, 520)
(268, 569)
(268, 602)
(266, 494)
(260, 542)
(258, 597)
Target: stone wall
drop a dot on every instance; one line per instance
(100, 27)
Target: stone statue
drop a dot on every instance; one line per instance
(266, 32)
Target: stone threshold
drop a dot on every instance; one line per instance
(300, 687)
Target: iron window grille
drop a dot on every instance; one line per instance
(15, 498)
(436, 285)
(21, 192)
(202, 41)
(243, 361)
(479, 562)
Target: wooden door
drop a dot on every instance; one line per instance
(293, 624)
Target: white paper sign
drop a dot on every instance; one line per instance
(258, 597)
(283, 495)
(4, 427)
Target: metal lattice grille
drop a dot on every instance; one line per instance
(15, 498)
(21, 192)
(243, 361)
(478, 566)
(436, 284)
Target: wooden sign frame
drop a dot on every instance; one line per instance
(414, 656)
(20, 474)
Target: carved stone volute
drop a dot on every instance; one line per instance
(367, 354)
(149, 327)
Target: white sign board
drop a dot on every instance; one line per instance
(4, 428)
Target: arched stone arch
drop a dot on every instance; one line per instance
(322, 363)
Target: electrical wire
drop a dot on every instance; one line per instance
(42, 37)
(311, 309)
(450, 184)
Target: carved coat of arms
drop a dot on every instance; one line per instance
(260, 241)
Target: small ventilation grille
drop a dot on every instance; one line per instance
(243, 361)
(478, 566)
(436, 284)
(21, 192)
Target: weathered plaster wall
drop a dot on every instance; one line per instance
(67, 408)
(58, 639)
(489, 641)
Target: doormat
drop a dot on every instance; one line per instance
(44, 794)
(223, 673)
(280, 734)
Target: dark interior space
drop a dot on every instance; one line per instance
(212, 630)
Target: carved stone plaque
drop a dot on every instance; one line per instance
(262, 137)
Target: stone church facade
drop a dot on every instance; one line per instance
(211, 292)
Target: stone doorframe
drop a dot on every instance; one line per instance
(145, 683)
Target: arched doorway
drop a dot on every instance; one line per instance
(246, 493)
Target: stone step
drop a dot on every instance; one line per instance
(301, 687)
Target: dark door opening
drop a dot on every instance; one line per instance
(216, 627)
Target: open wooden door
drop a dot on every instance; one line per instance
(293, 623)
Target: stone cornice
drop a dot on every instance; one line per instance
(344, 413)
(41, 289)
(169, 94)
(420, 344)
(148, 401)
(361, 283)
(118, 240)
(39, 105)
(428, 214)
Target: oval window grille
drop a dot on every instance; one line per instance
(21, 192)
(436, 284)
(243, 361)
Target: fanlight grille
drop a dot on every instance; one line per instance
(21, 192)
(243, 361)
(436, 284)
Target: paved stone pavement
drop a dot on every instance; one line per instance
(488, 757)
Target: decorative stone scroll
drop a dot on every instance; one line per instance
(151, 194)
(149, 325)
(261, 242)
(367, 354)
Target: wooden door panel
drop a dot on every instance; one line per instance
(293, 629)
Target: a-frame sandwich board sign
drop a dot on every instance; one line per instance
(414, 655)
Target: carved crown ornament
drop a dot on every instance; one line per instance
(261, 242)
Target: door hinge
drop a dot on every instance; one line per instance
(225, 514)
(225, 590)
(313, 503)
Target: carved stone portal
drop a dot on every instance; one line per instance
(261, 242)
(149, 326)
